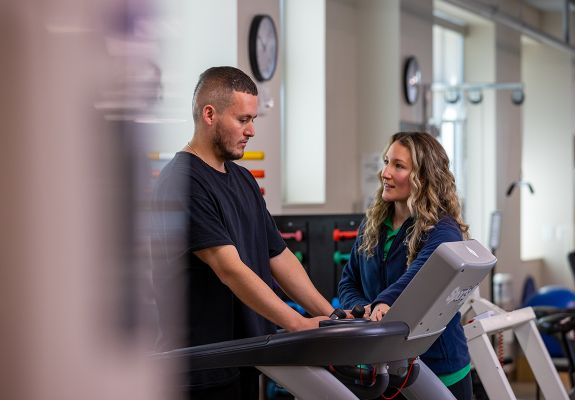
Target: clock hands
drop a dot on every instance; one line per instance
(262, 42)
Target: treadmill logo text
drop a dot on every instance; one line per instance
(458, 295)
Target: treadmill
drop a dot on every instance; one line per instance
(298, 361)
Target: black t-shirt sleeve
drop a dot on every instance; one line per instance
(186, 219)
(276, 245)
(204, 225)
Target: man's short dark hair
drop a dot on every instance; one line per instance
(216, 85)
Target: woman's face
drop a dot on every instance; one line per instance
(397, 165)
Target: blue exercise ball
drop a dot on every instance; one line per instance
(552, 296)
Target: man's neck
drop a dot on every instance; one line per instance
(206, 154)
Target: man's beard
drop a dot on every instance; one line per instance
(221, 147)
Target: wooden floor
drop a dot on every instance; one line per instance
(525, 390)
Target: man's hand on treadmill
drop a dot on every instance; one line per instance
(379, 311)
(309, 323)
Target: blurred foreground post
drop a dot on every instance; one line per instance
(68, 306)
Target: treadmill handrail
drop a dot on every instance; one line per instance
(369, 342)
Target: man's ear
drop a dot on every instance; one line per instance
(208, 114)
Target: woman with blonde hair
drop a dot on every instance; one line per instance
(415, 209)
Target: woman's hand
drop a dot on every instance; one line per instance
(379, 311)
(367, 311)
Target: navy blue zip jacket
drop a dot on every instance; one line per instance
(374, 280)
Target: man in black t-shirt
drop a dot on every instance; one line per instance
(215, 247)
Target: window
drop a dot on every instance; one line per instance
(303, 131)
(448, 109)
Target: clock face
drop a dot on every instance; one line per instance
(263, 47)
(411, 80)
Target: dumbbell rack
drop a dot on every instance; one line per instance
(317, 245)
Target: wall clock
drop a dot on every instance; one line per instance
(411, 80)
(263, 47)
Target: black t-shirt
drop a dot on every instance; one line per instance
(197, 207)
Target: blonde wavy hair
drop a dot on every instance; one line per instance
(433, 194)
